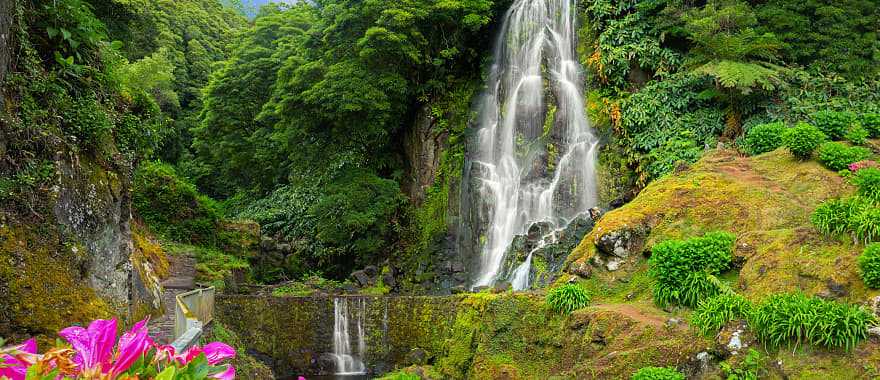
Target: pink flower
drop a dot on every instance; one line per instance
(228, 374)
(215, 352)
(133, 345)
(856, 166)
(14, 368)
(93, 346)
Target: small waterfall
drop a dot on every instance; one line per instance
(520, 280)
(346, 362)
(536, 151)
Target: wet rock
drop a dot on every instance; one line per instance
(595, 214)
(481, 288)
(361, 277)
(460, 277)
(874, 333)
(734, 338)
(837, 290)
(417, 356)
(698, 366)
(326, 363)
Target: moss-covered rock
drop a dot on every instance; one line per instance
(765, 200)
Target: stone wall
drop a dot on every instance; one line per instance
(297, 332)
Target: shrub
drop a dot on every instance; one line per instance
(685, 270)
(713, 313)
(763, 138)
(869, 265)
(802, 140)
(836, 216)
(857, 134)
(871, 122)
(837, 156)
(567, 298)
(796, 317)
(868, 182)
(834, 124)
(866, 224)
(172, 206)
(657, 373)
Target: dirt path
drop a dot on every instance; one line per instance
(633, 313)
(181, 280)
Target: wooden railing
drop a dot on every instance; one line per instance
(193, 310)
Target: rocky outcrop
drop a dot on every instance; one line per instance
(422, 145)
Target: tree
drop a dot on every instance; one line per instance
(728, 48)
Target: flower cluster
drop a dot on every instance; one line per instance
(856, 166)
(94, 353)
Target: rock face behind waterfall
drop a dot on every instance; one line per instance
(549, 260)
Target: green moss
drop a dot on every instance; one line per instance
(45, 291)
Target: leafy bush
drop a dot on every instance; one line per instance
(713, 313)
(802, 140)
(833, 123)
(869, 265)
(567, 298)
(857, 134)
(677, 150)
(796, 317)
(871, 122)
(866, 224)
(837, 156)
(657, 373)
(685, 270)
(868, 182)
(763, 138)
(836, 216)
(172, 206)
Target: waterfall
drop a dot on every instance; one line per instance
(346, 362)
(536, 152)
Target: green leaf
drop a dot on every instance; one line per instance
(116, 45)
(65, 34)
(167, 374)
(52, 32)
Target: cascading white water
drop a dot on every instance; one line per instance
(346, 362)
(532, 111)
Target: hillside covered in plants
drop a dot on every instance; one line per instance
(433, 189)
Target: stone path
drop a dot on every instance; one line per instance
(181, 280)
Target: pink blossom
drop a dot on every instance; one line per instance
(215, 352)
(14, 368)
(93, 346)
(133, 345)
(227, 374)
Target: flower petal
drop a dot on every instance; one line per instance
(78, 337)
(228, 374)
(217, 352)
(132, 345)
(103, 337)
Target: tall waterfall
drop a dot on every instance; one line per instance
(536, 150)
(346, 362)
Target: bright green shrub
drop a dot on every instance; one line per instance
(869, 265)
(857, 134)
(866, 224)
(763, 138)
(685, 270)
(788, 317)
(837, 156)
(871, 123)
(835, 216)
(834, 124)
(567, 298)
(172, 206)
(657, 373)
(715, 312)
(802, 140)
(868, 182)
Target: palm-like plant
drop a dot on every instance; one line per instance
(729, 49)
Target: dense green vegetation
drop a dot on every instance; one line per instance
(685, 270)
(567, 298)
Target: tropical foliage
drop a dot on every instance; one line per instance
(567, 298)
(685, 270)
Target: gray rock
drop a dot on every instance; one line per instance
(613, 264)
(583, 270)
(361, 278)
(389, 281)
(457, 266)
(875, 305)
(283, 248)
(673, 322)
(874, 333)
(371, 270)
(501, 287)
